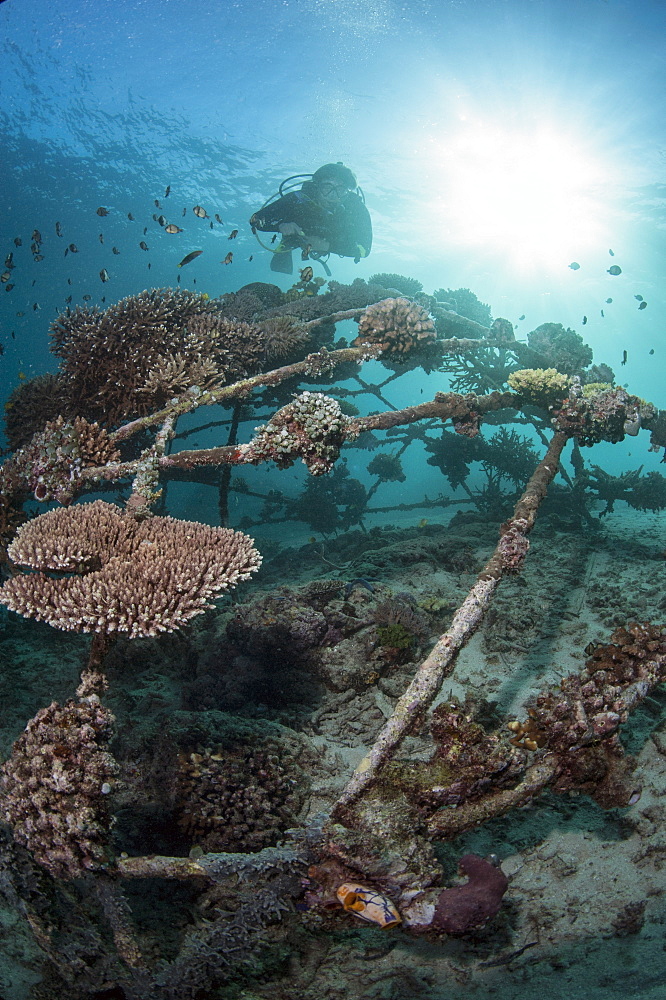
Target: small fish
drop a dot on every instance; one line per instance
(251, 257)
(35, 247)
(69, 281)
(145, 230)
(104, 274)
(162, 221)
(130, 217)
(651, 351)
(68, 299)
(167, 191)
(102, 211)
(574, 265)
(520, 318)
(211, 224)
(2, 348)
(115, 250)
(87, 297)
(218, 219)
(13, 334)
(643, 305)
(37, 257)
(608, 301)
(611, 253)
(228, 259)
(602, 314)
(18, 242)
(157, 204)
(9, 261)
(149, 265)
(172, 228)
(6, 276)
(35, 306)
(422, 523)
(274, 237)
(584, 320)
(104, 298)
(624, 358)
(9, 287)
(178, 279)
(58, 229)
(590, 648)
(20, 314)
(190, 257)
(73, 248)
(184, 212)
(200, 212)
(614, 269)
(639, 298)
(233, 234)
(36, 236)
(154, 216)
(101, 237)
(305, 252)
(143, 245)
(22, 376)
(306, 274)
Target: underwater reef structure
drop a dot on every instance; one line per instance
(240, 843)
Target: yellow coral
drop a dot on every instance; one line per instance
(540, 386)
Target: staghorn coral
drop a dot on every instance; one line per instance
(539, 386)
(312, 428)
(387, 467)
(563, 348)
(396, 326)
(283, 337)
(31, 405)
(465, 303)
(106, 356)
(138, 578)
(397, 282)
(237, 799)
(55, 786)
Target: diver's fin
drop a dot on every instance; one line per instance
(283, 261)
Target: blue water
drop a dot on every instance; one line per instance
(496, 142)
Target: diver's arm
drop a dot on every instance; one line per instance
(354, 238)
(271, 217)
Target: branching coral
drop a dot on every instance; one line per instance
(395, 326)
(563, 348)
(539, 386)
(138, 578)
(398, 282)
(107, 356)
(32, 404)
(237, 800)
(465, 303)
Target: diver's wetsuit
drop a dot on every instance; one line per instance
(347, 227)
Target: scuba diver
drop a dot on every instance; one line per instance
(325, 215)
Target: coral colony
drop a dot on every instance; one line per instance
(244, 850)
